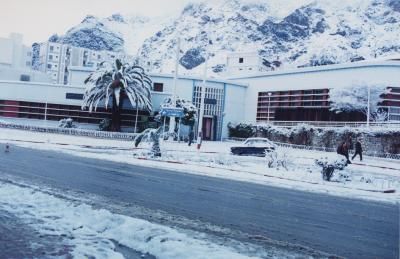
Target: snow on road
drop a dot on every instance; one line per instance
(364, 180)
(93, 233)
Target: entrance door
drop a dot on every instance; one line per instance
(207, 128)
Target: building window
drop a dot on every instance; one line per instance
(49, 66)
(158, 87)
(25, 78)
(50, 57)
(29, 53)
(74, 96)
(28, 63)
(240, 60)
(55, 65)
(51, 48)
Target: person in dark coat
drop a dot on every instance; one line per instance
(343, 149)
(351, 145)
(191, 137)
(358, 150)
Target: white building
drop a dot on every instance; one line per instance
(243, 63)
(292, 95)
(224, 102)
(55, 59)
(13, 53)
(302, 94)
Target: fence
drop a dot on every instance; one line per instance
(324, 124)
(330, 149)
(71, 131)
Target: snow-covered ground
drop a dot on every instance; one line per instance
(94, 233)
(366, 180)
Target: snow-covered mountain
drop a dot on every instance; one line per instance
(297, 33)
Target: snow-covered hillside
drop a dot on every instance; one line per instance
(297, 33)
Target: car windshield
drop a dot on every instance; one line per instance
(257, 142)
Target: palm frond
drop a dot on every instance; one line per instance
(132, 79)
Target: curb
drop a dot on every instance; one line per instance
(266, 175)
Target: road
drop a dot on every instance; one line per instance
(336, 225)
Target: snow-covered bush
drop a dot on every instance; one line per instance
(329, 165)
(277, 160)
(241, 130)
(105, 125)
(66, 123)
(384, 139)
(153, 136)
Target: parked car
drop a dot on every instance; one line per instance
(254, 147)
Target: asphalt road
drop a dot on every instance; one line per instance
(345, 227)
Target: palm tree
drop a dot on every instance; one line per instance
(117, 81)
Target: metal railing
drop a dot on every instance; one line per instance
(71, 131)
(325, 149)
(352, 124)
(330, 149)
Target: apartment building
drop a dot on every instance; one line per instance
(55, 59)
(13, 53)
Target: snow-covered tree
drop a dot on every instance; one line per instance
(116, 82)
(355, 98)
(189, 110)
(153, 136)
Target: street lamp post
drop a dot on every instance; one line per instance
(136, 117)
(201, 115)
(269, 103)
(368, 105)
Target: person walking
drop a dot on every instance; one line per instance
(343, 149)
(191, 137)
(350, 144)
(358, 150)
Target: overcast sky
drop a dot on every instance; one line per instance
(38, 19)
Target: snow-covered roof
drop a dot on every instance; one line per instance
(390, 63)
(81, 68)
(231, 82)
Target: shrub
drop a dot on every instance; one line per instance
(330, 165)
(105, 125)
(241, 130)
(66, 123)
(277, 160)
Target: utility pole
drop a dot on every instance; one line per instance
(172, 119)
(368, 105)
(201, 115)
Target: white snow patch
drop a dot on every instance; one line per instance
(89, 231)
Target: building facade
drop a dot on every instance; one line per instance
(13, 53)
(223, 102)
(303, 94)
(55, 59)
(292, 95)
